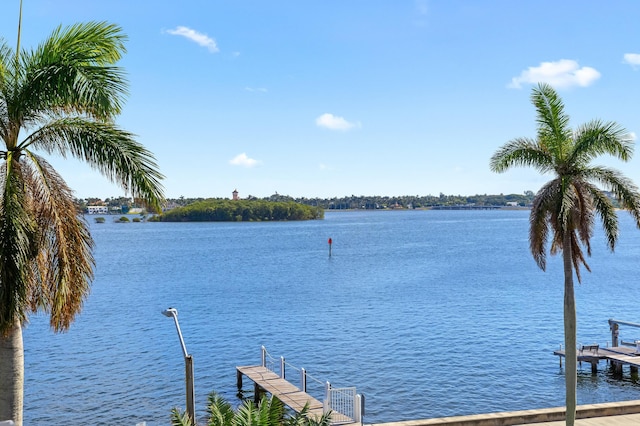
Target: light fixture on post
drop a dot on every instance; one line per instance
(188, 366)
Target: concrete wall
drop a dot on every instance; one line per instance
(527, 416)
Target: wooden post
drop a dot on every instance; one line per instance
(594, 367)
(239, 379)
(560, 356)
(256, 393)
(617, 369)
(613, 326)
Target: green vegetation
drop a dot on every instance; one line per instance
(240, 211)
(122, 219)
(568, 205)
(378, 202)
(268, 412)
(99, 219)
(367, 202)
(61, 98)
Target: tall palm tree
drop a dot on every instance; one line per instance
(59, 99)
(565, 208)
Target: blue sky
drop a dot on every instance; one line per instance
(340, 97)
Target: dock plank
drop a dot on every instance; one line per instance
(289, 394)
(620, 354)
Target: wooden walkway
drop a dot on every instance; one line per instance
(289, 394)
(620, 355)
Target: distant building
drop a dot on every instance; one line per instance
(235, 194)
(98, 209)
(512, 203)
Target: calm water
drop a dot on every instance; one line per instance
(427, 313)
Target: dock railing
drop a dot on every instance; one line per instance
(614, 326)
(345, 404)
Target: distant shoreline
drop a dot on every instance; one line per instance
(443, 208)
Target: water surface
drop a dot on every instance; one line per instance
(427, 313)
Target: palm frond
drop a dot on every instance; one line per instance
(245, 414)
(108, 149)
(180, 419)
(17, 232)
(583, 213)
(597, 138)
(65, 261)
(544, 205)
(268, 412)
(303, 418)
(324, 420)
(271, 412)
(6, 68)
(623, 188)
(71, 72)
(553, 123)
(521, 152)
(605, 210)
(219, 410)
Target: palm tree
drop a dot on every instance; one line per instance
(268, 412)
(60, 98)
(565, 208)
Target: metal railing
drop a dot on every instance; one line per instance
(614, 326)
(345, 404)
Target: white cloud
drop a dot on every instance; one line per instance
(193, 35)
(243, 160)
(633, 136)
(333, 122)
(561, 74)
(632, 59)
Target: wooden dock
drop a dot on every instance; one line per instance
(286, 392)
(618, 355)
(345, 405)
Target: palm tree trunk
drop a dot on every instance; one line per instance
(571, 368)
(12, 375)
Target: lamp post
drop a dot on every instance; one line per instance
(188, 366)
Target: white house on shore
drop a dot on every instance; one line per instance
(98, 209)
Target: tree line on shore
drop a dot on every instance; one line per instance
(338, 203)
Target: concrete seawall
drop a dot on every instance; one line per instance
(526, 416)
